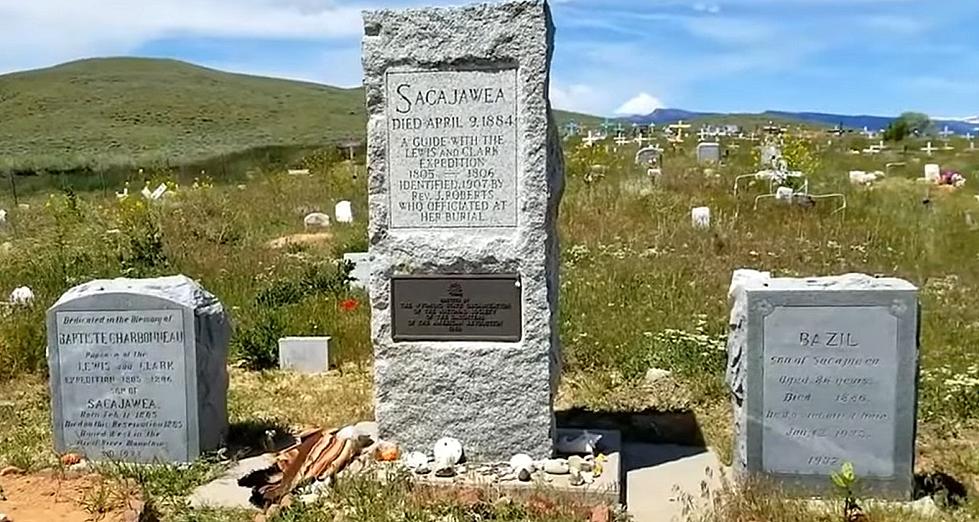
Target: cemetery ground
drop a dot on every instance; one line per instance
(641, 289)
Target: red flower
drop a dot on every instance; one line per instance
(348, 305)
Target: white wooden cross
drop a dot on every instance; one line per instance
(946, 133)
(640, 139)
(621, 140)
(678, 127)
(703, 134)
(972, 144)
(592, 138)
(929, 149)
(868, 133)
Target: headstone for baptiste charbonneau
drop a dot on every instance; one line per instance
(822, 372)
(465, 179)
(138, 370)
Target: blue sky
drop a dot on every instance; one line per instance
(846, 56)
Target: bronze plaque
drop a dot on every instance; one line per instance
(456, 308)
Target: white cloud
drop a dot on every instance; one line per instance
(44, 32)
(575, 97)
(642, 103)
(707, 8)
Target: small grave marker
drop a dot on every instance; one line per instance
(307, 355)
(708, 152)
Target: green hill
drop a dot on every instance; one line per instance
(119, 111)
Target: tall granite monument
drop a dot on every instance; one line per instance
(465, 177)
(823, 371)
(138, 370)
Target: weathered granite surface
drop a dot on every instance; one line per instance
(494, 396)
(823, 371)
(162, 345)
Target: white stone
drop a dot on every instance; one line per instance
(556, 467)
(494, 395)
(447, 452)
(22, 295)
(656, 374)
(316, 219)
(150, 350)
(343, 212)
(700, 217)
(522, 461)
(933, 172)
(3, 216)
(415, 460)
(308, 355)
(859, 177)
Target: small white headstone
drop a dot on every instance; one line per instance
(784, 193)
(700, 217)
(708, 152)
(343, 212)
(304, 354)
(932, 172)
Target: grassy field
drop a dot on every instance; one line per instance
(641, 288)
(99, 114)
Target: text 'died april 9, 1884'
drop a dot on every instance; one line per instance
(452, 148)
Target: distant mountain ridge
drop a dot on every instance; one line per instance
(874, 123)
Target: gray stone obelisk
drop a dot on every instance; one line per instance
(465, 177)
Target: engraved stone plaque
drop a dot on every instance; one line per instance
(138, 370)
(456, 308)
(123, 383)
(822, 372)
(452, 148)
(829, 390)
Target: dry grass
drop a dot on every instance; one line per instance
(640, 288)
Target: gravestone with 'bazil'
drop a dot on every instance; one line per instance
(138, 370)
(465, 177)
(823, 372)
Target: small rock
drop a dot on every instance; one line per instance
(556, 467)
(446, 472)
(461, 469)
(576, 478)
(5, 518)
(654, 375)
(11, 470)
(415, 460)
(69, 459)
(523, 475)
(423, 469)
(80, 466)
(588, 477)
(579, 463)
